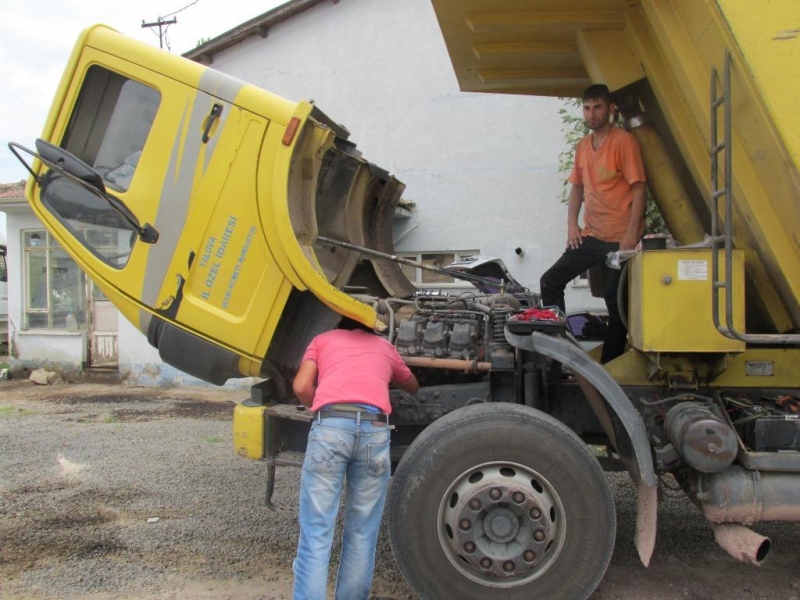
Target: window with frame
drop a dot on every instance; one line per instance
(55, 287)
(423, 278)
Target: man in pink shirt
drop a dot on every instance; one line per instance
(608, 181)
(344, 379)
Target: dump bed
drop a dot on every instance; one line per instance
(663, 54)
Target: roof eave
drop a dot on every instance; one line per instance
(204, 53)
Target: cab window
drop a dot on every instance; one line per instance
(110, 124)
(108, 129)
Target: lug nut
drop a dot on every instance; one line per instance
(495, 494)
(539, 535)
(529, 555)
(475, 504)
(535, 513)
(508, 566)
(469, 547)
(486, 563)
(464, 524)
(519, 497)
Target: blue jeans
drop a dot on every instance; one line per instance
(339, 449)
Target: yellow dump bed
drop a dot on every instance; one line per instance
(664, 53)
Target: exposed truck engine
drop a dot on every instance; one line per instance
(231, 226)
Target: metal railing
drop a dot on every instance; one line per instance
(726, 192)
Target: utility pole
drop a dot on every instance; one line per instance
(160, 23)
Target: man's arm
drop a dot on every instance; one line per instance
(303, 384)
(631, 237)
(574, 238)
(410, 386)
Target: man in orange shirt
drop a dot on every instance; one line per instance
(608, 180)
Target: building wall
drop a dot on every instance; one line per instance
(481, 169)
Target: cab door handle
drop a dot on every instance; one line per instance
(216, 111)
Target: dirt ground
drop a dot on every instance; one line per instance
(85, 467)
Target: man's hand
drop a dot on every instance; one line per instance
(574, 238)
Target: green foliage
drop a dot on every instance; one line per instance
(574, 130)
(202, 41)
(653, 221)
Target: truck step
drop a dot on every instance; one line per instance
(289, 459)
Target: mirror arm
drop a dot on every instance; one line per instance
(147, 233)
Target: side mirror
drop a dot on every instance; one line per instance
(71, 164)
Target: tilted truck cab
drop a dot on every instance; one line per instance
(207, 164)
(231, 226)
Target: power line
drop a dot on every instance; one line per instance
(182, 9)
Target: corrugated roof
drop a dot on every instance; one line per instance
(260, 25)
(12, 190)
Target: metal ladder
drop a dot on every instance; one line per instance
(726, 192)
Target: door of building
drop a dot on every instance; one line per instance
(103, 342)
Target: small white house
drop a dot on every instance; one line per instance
(481, 171)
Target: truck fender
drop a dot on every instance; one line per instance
(635, 450)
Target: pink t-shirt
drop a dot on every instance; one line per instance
(355, 367)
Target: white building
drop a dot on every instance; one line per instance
(481, 170)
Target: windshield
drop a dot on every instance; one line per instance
(108, 128)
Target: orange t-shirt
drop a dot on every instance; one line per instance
(606, 175)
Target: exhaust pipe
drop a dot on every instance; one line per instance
(742, 543)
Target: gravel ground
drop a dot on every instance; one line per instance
(84, 467)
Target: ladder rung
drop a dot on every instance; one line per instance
(718, 148)
(719, 193)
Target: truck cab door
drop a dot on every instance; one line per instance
(182, 158)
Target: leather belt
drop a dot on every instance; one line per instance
(351, 414)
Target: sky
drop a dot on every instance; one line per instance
(37, 36)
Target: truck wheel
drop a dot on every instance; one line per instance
(501, 501)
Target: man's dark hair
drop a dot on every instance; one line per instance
(598, 91)
(351, 324)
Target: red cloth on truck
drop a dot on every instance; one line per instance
(537, 314)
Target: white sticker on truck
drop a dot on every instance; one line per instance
(693, 270)
(760, 368)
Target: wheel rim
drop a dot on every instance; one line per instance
(501, 524)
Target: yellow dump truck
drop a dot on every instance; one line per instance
(232, 225)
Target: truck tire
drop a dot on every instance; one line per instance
(501, 501)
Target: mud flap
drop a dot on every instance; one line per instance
(634, 451)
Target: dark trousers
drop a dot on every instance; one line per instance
(574, 262)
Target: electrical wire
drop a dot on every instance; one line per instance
(181, 9)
